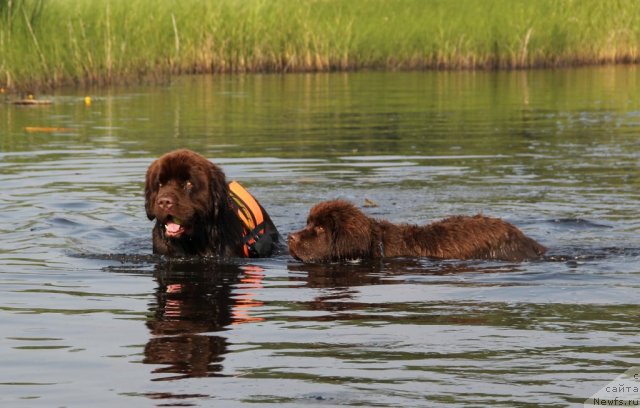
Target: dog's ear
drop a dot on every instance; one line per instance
(351, 233)
(151, 188)
(217, 189)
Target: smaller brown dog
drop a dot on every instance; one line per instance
(337, 230)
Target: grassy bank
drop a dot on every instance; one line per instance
(50, 43)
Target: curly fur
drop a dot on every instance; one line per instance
(337, 230)
(199, 198)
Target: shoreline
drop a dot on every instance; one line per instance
(47, 45)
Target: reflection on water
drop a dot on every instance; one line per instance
(194, 299)
(90, 316)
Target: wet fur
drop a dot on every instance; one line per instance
(337, 230)
(203, 206)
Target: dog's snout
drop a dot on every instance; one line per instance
(294, 237)
(165, 202)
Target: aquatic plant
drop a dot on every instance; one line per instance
(46, 43)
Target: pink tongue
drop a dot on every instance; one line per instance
(172, 227)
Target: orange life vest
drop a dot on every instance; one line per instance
(252, 217)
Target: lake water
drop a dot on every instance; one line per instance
(90, 318)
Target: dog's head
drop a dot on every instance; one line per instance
(336, 230)
(183, 189)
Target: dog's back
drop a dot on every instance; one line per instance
(461, 237)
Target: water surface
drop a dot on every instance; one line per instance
(90, 318)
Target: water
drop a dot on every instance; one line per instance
(90, 318)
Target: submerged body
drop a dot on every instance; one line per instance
(337, 230)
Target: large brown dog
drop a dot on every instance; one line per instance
(337, 230)
(195, 213)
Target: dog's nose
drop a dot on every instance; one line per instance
(293, 238)
(165, 202)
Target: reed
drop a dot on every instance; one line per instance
(51, 43)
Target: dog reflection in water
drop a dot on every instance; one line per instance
(194, 300)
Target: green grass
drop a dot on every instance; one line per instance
(57, 42)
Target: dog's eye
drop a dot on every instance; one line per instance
(159, 185)
(319, 230)
(188, 185)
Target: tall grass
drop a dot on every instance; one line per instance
(54, 42)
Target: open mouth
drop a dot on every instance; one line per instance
(173, 227)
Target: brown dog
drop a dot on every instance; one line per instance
(337, 230)
(197, 214)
